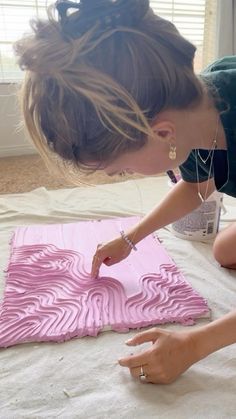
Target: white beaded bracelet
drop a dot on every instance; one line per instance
(128, 241)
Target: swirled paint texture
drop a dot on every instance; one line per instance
(50, 295)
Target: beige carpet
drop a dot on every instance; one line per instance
(25, 173)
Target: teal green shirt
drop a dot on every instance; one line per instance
(221, 76)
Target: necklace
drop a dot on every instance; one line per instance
(214, 144)
(211, 156)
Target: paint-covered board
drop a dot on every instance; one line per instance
(50, 296)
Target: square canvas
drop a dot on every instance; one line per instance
(50, 296)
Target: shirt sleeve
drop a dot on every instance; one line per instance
(225, 63)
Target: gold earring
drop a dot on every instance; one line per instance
(172, 153)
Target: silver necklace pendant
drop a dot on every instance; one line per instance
(210, 154)
(214, 146)
(204, 160)
(201, 197)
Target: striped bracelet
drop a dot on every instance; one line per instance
(128, 241)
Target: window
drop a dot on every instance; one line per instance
(195, 19)
(14, 22)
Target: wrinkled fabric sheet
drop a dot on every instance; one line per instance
(81, 378)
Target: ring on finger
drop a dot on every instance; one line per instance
(142, 374)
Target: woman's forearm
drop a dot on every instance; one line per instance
(215, 335)
(181, 200)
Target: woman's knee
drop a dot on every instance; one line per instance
(219, 250)
(224, 248)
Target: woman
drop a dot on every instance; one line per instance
(110, 86)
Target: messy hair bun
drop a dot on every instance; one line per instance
(107, 14)
(92, 88)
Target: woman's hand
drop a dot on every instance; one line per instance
(109, 253)
(171, 354)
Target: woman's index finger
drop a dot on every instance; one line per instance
(96, 263)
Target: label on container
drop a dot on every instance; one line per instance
(202, 223)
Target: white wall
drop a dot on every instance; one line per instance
(12, 143)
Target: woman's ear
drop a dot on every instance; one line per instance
(165, 131)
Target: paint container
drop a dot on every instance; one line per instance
(202, 224)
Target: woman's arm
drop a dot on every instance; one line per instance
(181, 200)
(172, 353)
(215, 335)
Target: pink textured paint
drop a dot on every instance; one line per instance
(50, 296)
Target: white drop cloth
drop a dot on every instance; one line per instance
(81, 378)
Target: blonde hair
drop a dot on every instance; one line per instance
(92, 97)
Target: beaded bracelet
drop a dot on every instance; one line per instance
(128, 241)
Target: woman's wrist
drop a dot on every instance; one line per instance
(201, 343)
(214, 336)
(126, 238)
(137, 233)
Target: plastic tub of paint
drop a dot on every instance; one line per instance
(202, 224)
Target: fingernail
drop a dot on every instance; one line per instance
(129, 341)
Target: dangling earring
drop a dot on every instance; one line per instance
(172, 153)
